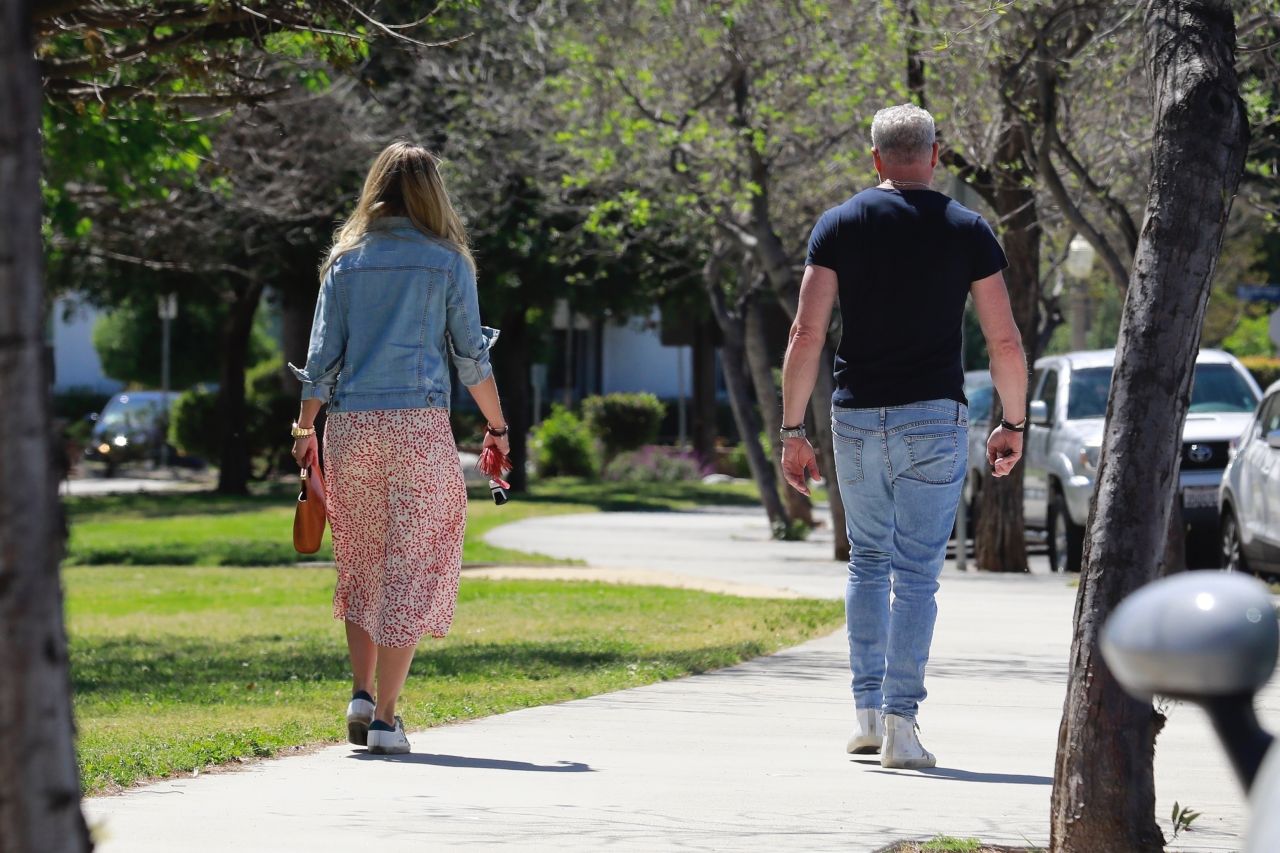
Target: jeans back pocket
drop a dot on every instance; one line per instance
(934, 458)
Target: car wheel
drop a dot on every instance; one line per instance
(1232, 558)
(1066, 539)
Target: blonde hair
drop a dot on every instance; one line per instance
(404, 180)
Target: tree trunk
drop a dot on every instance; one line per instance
(233, 475)
(1104, 790)
(705, 426)
(760, 364)
(733, 361)
(511, 360)
(297, 309)
(820, 407)
(1000, 543)
(39, 781)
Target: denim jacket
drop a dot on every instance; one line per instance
(389, 312)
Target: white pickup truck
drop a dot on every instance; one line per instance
(1068, 406)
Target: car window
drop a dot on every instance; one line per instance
(1049, 392)
(129, 414)
(1221, 388)
(1216, 388)
(1269, 415)
(980, 403)
(1087, 393)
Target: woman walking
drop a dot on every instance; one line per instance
(397, 303)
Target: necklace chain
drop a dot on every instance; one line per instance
(901, 184)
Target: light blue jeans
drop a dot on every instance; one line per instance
(901, 469)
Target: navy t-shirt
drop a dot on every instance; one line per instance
(905, 260)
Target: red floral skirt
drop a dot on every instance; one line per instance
(398, 509)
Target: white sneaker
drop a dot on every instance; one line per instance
(383, 742)
(869, 736)
(902, 747)
(359, 716)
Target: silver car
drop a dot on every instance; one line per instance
(1067, 411)
(1250, 496)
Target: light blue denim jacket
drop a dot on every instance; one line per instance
(389, 312)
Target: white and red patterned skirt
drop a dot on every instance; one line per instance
(398, 509)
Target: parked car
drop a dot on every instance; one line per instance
(1068, 407)
(980, 392)
(1249, 502)
(132, 427)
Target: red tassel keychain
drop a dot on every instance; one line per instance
(494, 464)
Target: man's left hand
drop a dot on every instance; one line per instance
(799, 462)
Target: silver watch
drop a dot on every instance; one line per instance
(793, 432)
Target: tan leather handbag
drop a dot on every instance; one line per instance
(310, 515)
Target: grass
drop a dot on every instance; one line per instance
(175, 669)
(210, 529)
(948, 844)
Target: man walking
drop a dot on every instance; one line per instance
(903, 259)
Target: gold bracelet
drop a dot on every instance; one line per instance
(301, 432)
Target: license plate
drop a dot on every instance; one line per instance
(1199, 497)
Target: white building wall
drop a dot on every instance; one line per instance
(635, 360)
(76, 361)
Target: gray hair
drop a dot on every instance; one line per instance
(903, 134)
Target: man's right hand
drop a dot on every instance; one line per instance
(1004, 449)
(799, 460)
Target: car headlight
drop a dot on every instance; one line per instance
(1089, 457)
(120, 441)
(104, 448)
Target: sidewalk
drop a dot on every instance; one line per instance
(748, 758)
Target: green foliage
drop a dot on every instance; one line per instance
(1265, 370)
(949, 844)
(653, 464)
(1182, 818)
(177, 669)
(127, 339)
(194, 422)
(564, 446)
(1250, 337)
(624, 421)
(269, 411)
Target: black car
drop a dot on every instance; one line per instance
(133, 427)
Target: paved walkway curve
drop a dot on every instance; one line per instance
(747, 758)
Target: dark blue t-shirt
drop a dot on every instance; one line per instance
(905, 261)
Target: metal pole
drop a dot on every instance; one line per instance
(680, 403)
(168, 309)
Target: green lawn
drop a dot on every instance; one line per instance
(178, 668)
(209, 529)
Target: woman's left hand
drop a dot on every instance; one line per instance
(502, 443)
(304, 451)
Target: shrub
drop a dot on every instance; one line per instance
(563, 446)
(624, 421)
(1265, 370)
(269, 410)
(653, 464)
(193, 423)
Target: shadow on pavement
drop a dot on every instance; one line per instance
(475, 763)
(970, 776)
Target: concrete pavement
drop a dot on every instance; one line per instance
(748, 758)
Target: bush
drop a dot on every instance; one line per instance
(1265, 370)
(563, 446)
(624, 421)
(269, 410)
(654, 465)
(193, 423)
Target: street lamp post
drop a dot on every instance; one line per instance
(168, 309)
(1080, 257)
